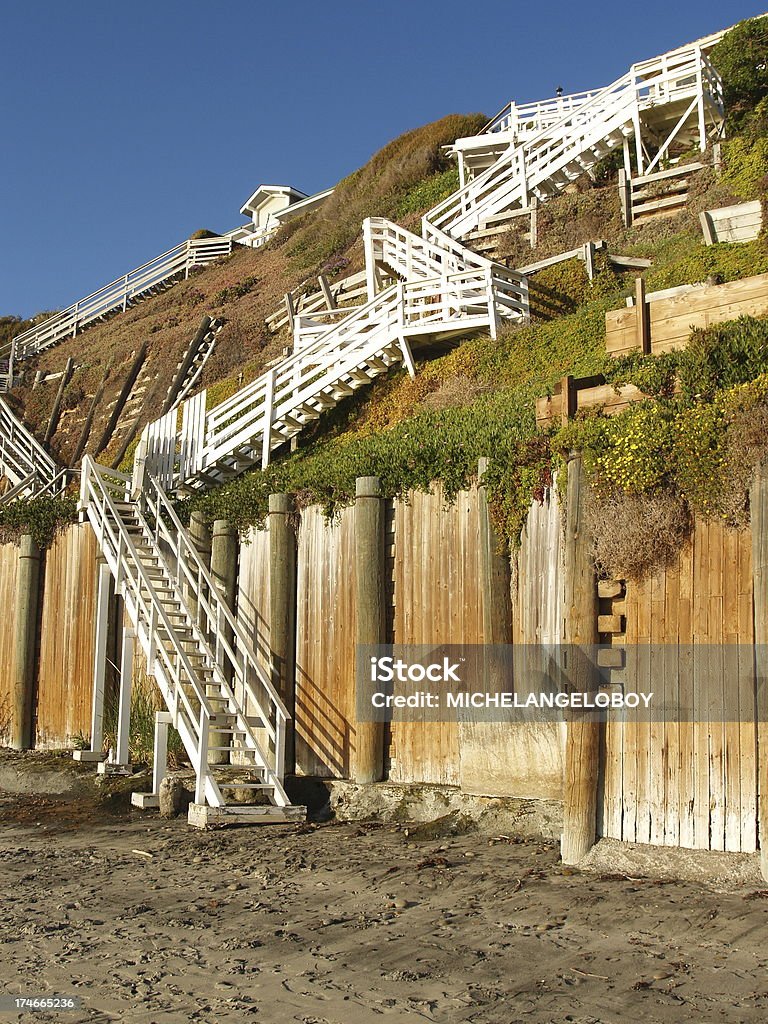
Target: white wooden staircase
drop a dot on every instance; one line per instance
(675, 97)
(216, 689)
(442, 290)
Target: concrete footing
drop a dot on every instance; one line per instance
(202, 816)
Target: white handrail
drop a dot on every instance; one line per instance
(166, 656)
(521, 168)
(117, 294)
(24, 460)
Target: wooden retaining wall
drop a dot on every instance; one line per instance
(67, 635)
(435, 596)
(62, 697)
(690, 784)
(670, 320)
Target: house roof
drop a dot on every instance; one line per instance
(265, 192)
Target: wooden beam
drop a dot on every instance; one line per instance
(289, 309)
(53, 422)
(189, 357)
(582, 746)
(86, 431)
(370, 574)
(643, 318)
(122, 398)
(759, 527)
(330, 299)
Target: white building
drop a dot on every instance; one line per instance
(269, 207)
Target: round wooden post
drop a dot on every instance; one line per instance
(368, 753)
(25, 646)
(496, 574)
(224, 556)
(282, 611)
(200, 535)
(759, 523)
(582, 745)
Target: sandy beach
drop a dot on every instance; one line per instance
(146, 920)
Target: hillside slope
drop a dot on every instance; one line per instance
(398, 182)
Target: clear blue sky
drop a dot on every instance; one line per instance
(128, 126)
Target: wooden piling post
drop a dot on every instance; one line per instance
(200, 535)
(582, 745)
(104, 620)
(368, 754)
(643, 318)
(224, 558)
(282, 611)
(625, 195)
(759, 526)
(495, 573)
(25, 646)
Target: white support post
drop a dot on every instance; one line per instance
(492, 314)
(589, 259)
(523, 179)
(125, 293)
(280, 733)
(99, 669)
(638, 139)
(201, 768)
(700, 102)
(122, 755)
(407, 356)
(266, 441)
(370, 264)
(160, 757)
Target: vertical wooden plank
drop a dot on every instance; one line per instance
(700, 610)
(731, 687)
(716, 684)
(685, 691)
(759, 531)
(748, 729)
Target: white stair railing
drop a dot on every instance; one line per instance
(447, 289)
(24, 462)
(280, 403)
(234, 676)
(670, 79)
(117, 295)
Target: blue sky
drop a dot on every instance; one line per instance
(128, 126)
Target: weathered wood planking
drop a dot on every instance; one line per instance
(67, 635)
(253, 603)
(325, 643)
(691, 784)
(612, 400)
(9, 564)
(671, 320)
(740, 223)
(525, 760)
(438, 600)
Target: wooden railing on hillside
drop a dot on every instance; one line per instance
(24, 462)
(116, 296)
(596, 126)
